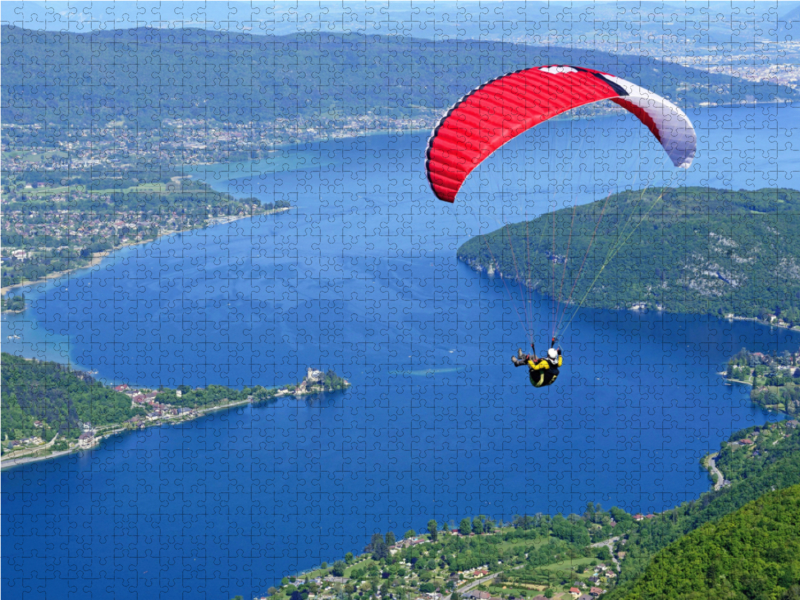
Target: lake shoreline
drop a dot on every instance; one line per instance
(637, 307)
(100, 256)
(119, 428)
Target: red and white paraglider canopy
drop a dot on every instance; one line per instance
(502, 109)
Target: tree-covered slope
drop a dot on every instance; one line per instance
(58, 396)
(753, 553)
(748, 483)
(699, 250)
(146, 75)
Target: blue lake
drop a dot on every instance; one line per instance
(361, 277)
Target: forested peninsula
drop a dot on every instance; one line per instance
(50, 409)
(688, 250)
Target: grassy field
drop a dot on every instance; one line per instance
(510, 545)
(568, 565)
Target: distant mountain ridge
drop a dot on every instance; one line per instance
(146, 75)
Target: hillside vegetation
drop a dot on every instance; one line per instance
(753, 553)
(749, 481)
(690, 552)
(144, 75)
(57, 396)
(699, 250)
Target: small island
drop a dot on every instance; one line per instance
(316, 382)
(50, 409)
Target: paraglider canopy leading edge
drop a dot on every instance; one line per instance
(500, 110)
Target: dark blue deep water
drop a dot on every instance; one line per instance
(361, 277)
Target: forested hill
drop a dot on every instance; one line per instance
(146, 75)
(751, 476)
(698, 250)
(59, 397)
(752, 553)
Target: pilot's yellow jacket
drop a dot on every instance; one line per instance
(544, 364)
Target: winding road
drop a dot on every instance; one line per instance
(720, 481)
(609, 543)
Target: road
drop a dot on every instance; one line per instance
(29, 451)
(26, 457)
(476, 583)
(719, 482)
(473, 584)
(609, 543)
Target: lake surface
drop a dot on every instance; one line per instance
(361, 277)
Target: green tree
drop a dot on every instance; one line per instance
(380, 550)
(433, 529)
(603, 553)
(409, 534)
(338, 568)
(348, 557)
(390, 539)
(465, 528)
(477, 525)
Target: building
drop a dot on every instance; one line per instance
(86, 440)
(314, 376)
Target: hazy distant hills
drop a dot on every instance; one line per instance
(145, 75)
(690, 28)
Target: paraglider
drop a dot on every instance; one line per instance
(542, 371)
(500, 110)
(506, 107)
